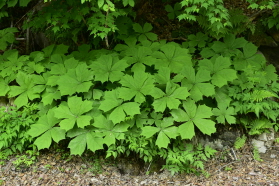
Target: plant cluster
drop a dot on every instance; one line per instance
(74, 21)
(14, 124)
(144, 96)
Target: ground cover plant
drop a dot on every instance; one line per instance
(141, 95)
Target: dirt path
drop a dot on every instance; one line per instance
(57, 168)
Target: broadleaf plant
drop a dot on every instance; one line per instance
(74, 112)
(192, 115)
(46, 130)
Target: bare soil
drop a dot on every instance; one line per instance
(58, 168)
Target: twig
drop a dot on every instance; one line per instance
(20, 39)
(106, 37)
(234, 155)
(224, 166)
(33, 8)
(148, 166)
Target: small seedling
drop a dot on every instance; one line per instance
(228, 168)
(25, 160)
(96, 167)
(61, 169)
(47, 166)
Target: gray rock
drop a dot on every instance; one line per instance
(259, 145)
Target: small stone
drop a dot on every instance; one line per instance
(235, 178)
(272, 155)
(94, 180)
(260, 145)
(143, 182)
(84, 166)
(262, 137)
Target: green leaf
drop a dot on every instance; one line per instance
(197, 40)
(149, 131)
(224, 114)
(121, 112)
(50, 94)
(12, 3)
(197, 83)
(94, 142)
(73, 113)
(147, 27)
(173, 57)
(138, 28)
(14, 63)
(75, 80)
(220, 70)
(173, 12)
(111, 100)
(78, 144)
(129, 2)
(108, 68)
(249, 57)
(165, 129)
(171, 98)
(145, 32)
(162, 140)
(4, 87)
(137, 86)
(83, 138)
(27, 89)
(45, 127)
(163, 76)
(140, 54)
(110, 131)
(191, 114)
(100, 3)
(24, 2)
(222, 96)
(230, 46)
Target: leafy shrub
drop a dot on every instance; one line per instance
(14, 124)
(144, 96)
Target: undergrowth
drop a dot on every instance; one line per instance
(146, 97)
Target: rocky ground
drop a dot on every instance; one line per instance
(58, 168)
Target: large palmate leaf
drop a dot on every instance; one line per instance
(163, 76)
(165, 130)
(230, 46)
(29, 88)
(75, 80)
(250, 56)
(145, 32)
(109, 130)
(192, 115)
(60, 68)
(224, 114)
(74, 113)
(219, 69)
(140, 54)
(173, 11)
(197, 83)
(82, 138)
(120, 109)
(137, 86)
(173, 57)
(46, 130)
(108, 68)
(171, 98)
(6, 35)
(12, 63)
(50, 94)
(4, 86)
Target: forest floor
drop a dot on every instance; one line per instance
(59, 168)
